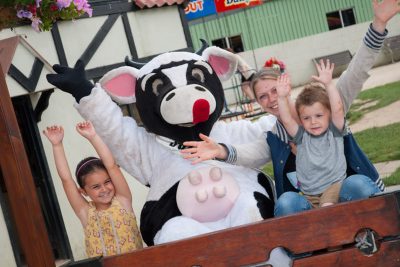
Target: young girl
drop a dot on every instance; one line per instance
(108, 219)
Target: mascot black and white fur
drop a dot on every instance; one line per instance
(178, 96)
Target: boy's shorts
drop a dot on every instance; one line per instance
(330, 195)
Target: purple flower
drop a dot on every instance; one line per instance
(63, 3)
(36, 24)
(24, 14)
(38, 3)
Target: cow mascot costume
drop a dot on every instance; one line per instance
(178, 96)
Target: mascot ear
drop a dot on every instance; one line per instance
(120, 84)
(223, 62)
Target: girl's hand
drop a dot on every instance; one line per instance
(201, 150)
(324, 72)
(55, 134)
(283, 85)
(86, 129)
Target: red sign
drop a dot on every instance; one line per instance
(226, 5)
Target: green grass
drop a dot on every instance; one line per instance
(380, 96)
(268, 169)
(380, 144)
(393, 179)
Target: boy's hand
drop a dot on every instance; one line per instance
(385, 10)
(55, 134)
(324, 72)
(86, 129)
(283, 85)
(201, 150)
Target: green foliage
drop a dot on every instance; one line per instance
(372, 99)
(12, 3)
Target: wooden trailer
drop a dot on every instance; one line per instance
(358, 233)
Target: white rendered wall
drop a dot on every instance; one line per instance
(6, 253)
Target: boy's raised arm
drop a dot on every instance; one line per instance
(325, 71)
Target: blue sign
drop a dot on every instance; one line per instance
(200, 8)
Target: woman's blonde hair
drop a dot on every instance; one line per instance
(264, 74)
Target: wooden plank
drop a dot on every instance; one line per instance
(388, 255)
(18, 180)
(308, 231)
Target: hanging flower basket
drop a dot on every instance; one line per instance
(41, 14)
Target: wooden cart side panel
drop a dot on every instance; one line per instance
(309, 231)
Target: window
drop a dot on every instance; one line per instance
(233, 43)
(341, 18)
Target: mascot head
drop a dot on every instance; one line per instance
(178, 94)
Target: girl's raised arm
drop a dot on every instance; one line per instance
(122, 190)
(55, 135)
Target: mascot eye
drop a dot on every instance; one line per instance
(198, 74)
(156, 86)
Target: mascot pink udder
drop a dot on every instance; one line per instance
(207, 194)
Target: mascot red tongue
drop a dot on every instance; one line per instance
(201, 109)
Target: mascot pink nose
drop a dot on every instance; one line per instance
(201, 111)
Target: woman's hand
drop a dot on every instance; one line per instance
(203, 150)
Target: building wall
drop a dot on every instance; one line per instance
(275, 21)
(154, 31)
(298, 54)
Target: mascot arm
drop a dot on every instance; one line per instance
(133, 148)
(242, 131)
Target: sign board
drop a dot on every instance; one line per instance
(227, 5)
(200, 8)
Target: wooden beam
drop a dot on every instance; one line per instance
(24, 203)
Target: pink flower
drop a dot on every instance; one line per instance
(36, 24)
(83, 5)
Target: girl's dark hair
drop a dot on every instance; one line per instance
(86, 166)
